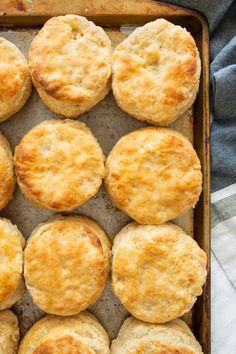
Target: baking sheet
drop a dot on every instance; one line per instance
(108, 123)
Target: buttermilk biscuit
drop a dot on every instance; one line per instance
(67, 260)
(15, 82)
(138, 337)
(7, 178)
(59, 164)
(9, 333)
(11, 264)
(70, 64)
(154, 175)
(157, 271)
(156, 72)
(81, 334)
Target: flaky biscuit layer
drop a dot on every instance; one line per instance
(157, 271)
(11, 265)
(7, 178)
(70, 64)
(154, 175)
(70, 335)
(156, 72)
(59, 164)
(67, 260)
(9, 332)
(138, 337)
(15, 81)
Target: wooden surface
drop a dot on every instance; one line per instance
(137, 12)
(85, 7)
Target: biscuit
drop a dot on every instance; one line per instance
(9, 333)
(157, 271)
(77, 334)
(7, 178)
(15, 81)
(59, 164)
(11, 264)
(156, 72)
(67, 260)
(154, 175)
(138, 337)
(70, 64)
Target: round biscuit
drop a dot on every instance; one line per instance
(156, 72)
(59, 164)
(9, 332)
(138, 337)
(66, 335)
(11, 264)
(157, 271)
(15, 83)
(7, 178)
(70, 64)
(154, 175)
(67, 260)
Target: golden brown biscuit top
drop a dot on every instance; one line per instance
(7, 179)
(158, 271)
(70, 58)
(11, 255)
(139, 337)
(156, 347)
(156, 72)
(65, 266)
(62, 345)
(154, 175)
(9, 332)
(80, 334)
(59, 164)
(13, 71)
(8, 318)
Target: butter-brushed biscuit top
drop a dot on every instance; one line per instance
(9, 332)
(67, 260)
(156, 72)
(81, 334)
(15, 81)
(11, 264)
(138, 337)
(7, 178)
(70, 64)
(59, 164)
(154, 175)
(157, 271)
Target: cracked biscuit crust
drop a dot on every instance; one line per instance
(70, 64)
(138, 337)
(7, 178)
(154, 175)
(156, 72)
(157, 271)
(15, 81)
(81, 334)
(67, 260)
(11, 265)
(59, 164)
(9, 332)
